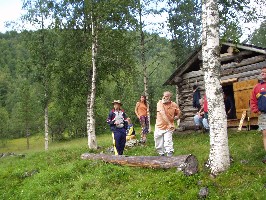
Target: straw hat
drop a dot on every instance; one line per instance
(117, 101)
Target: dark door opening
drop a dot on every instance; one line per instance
(229, 101)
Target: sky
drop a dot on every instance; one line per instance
(10, 10)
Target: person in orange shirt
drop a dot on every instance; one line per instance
(141, 111)
(167, 112)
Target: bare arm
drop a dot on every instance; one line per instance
(136, 109)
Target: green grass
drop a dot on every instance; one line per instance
(60, 173)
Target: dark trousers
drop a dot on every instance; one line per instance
(119, 140)
(144, 122)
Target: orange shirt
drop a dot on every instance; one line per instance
(141, 109)
(171, 110)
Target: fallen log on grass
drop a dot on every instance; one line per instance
(188, 164)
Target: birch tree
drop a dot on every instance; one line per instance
(94, 22)
(143, 59)
(144, 9)
(92, 143)
(104, 16)
(219, 151)
(41, 47)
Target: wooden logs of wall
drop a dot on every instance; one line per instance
(246, 69)
(244, 62)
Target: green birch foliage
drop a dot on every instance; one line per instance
(258, 37)
(185, 26)
(185, 21)
(41, 43)
(73, 69)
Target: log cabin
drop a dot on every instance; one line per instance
(240, 72)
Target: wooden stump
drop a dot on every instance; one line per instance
(188, 164)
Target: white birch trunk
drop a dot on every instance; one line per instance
(219, 151)
(28, 136)
(46, 93)
(177, 94)
(146, 89)
(92, 143)
(46, 127)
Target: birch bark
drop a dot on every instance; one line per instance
(92, 143)
(143, 63)
(46, 128)
(219, 151)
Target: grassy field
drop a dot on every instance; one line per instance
(60, 173)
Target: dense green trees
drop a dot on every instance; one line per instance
(51, 68)
(119, 77)
(19, 94)
(185, 22)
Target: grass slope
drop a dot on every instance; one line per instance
(60, 173)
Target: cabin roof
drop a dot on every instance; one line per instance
(192, 62)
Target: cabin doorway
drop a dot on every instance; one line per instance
(229, 96)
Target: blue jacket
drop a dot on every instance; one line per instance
(111, 120)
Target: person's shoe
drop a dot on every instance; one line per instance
(197, 128)
(170, 154)
(206, 130)
(144, 140)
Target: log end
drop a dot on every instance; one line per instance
(189, 166)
